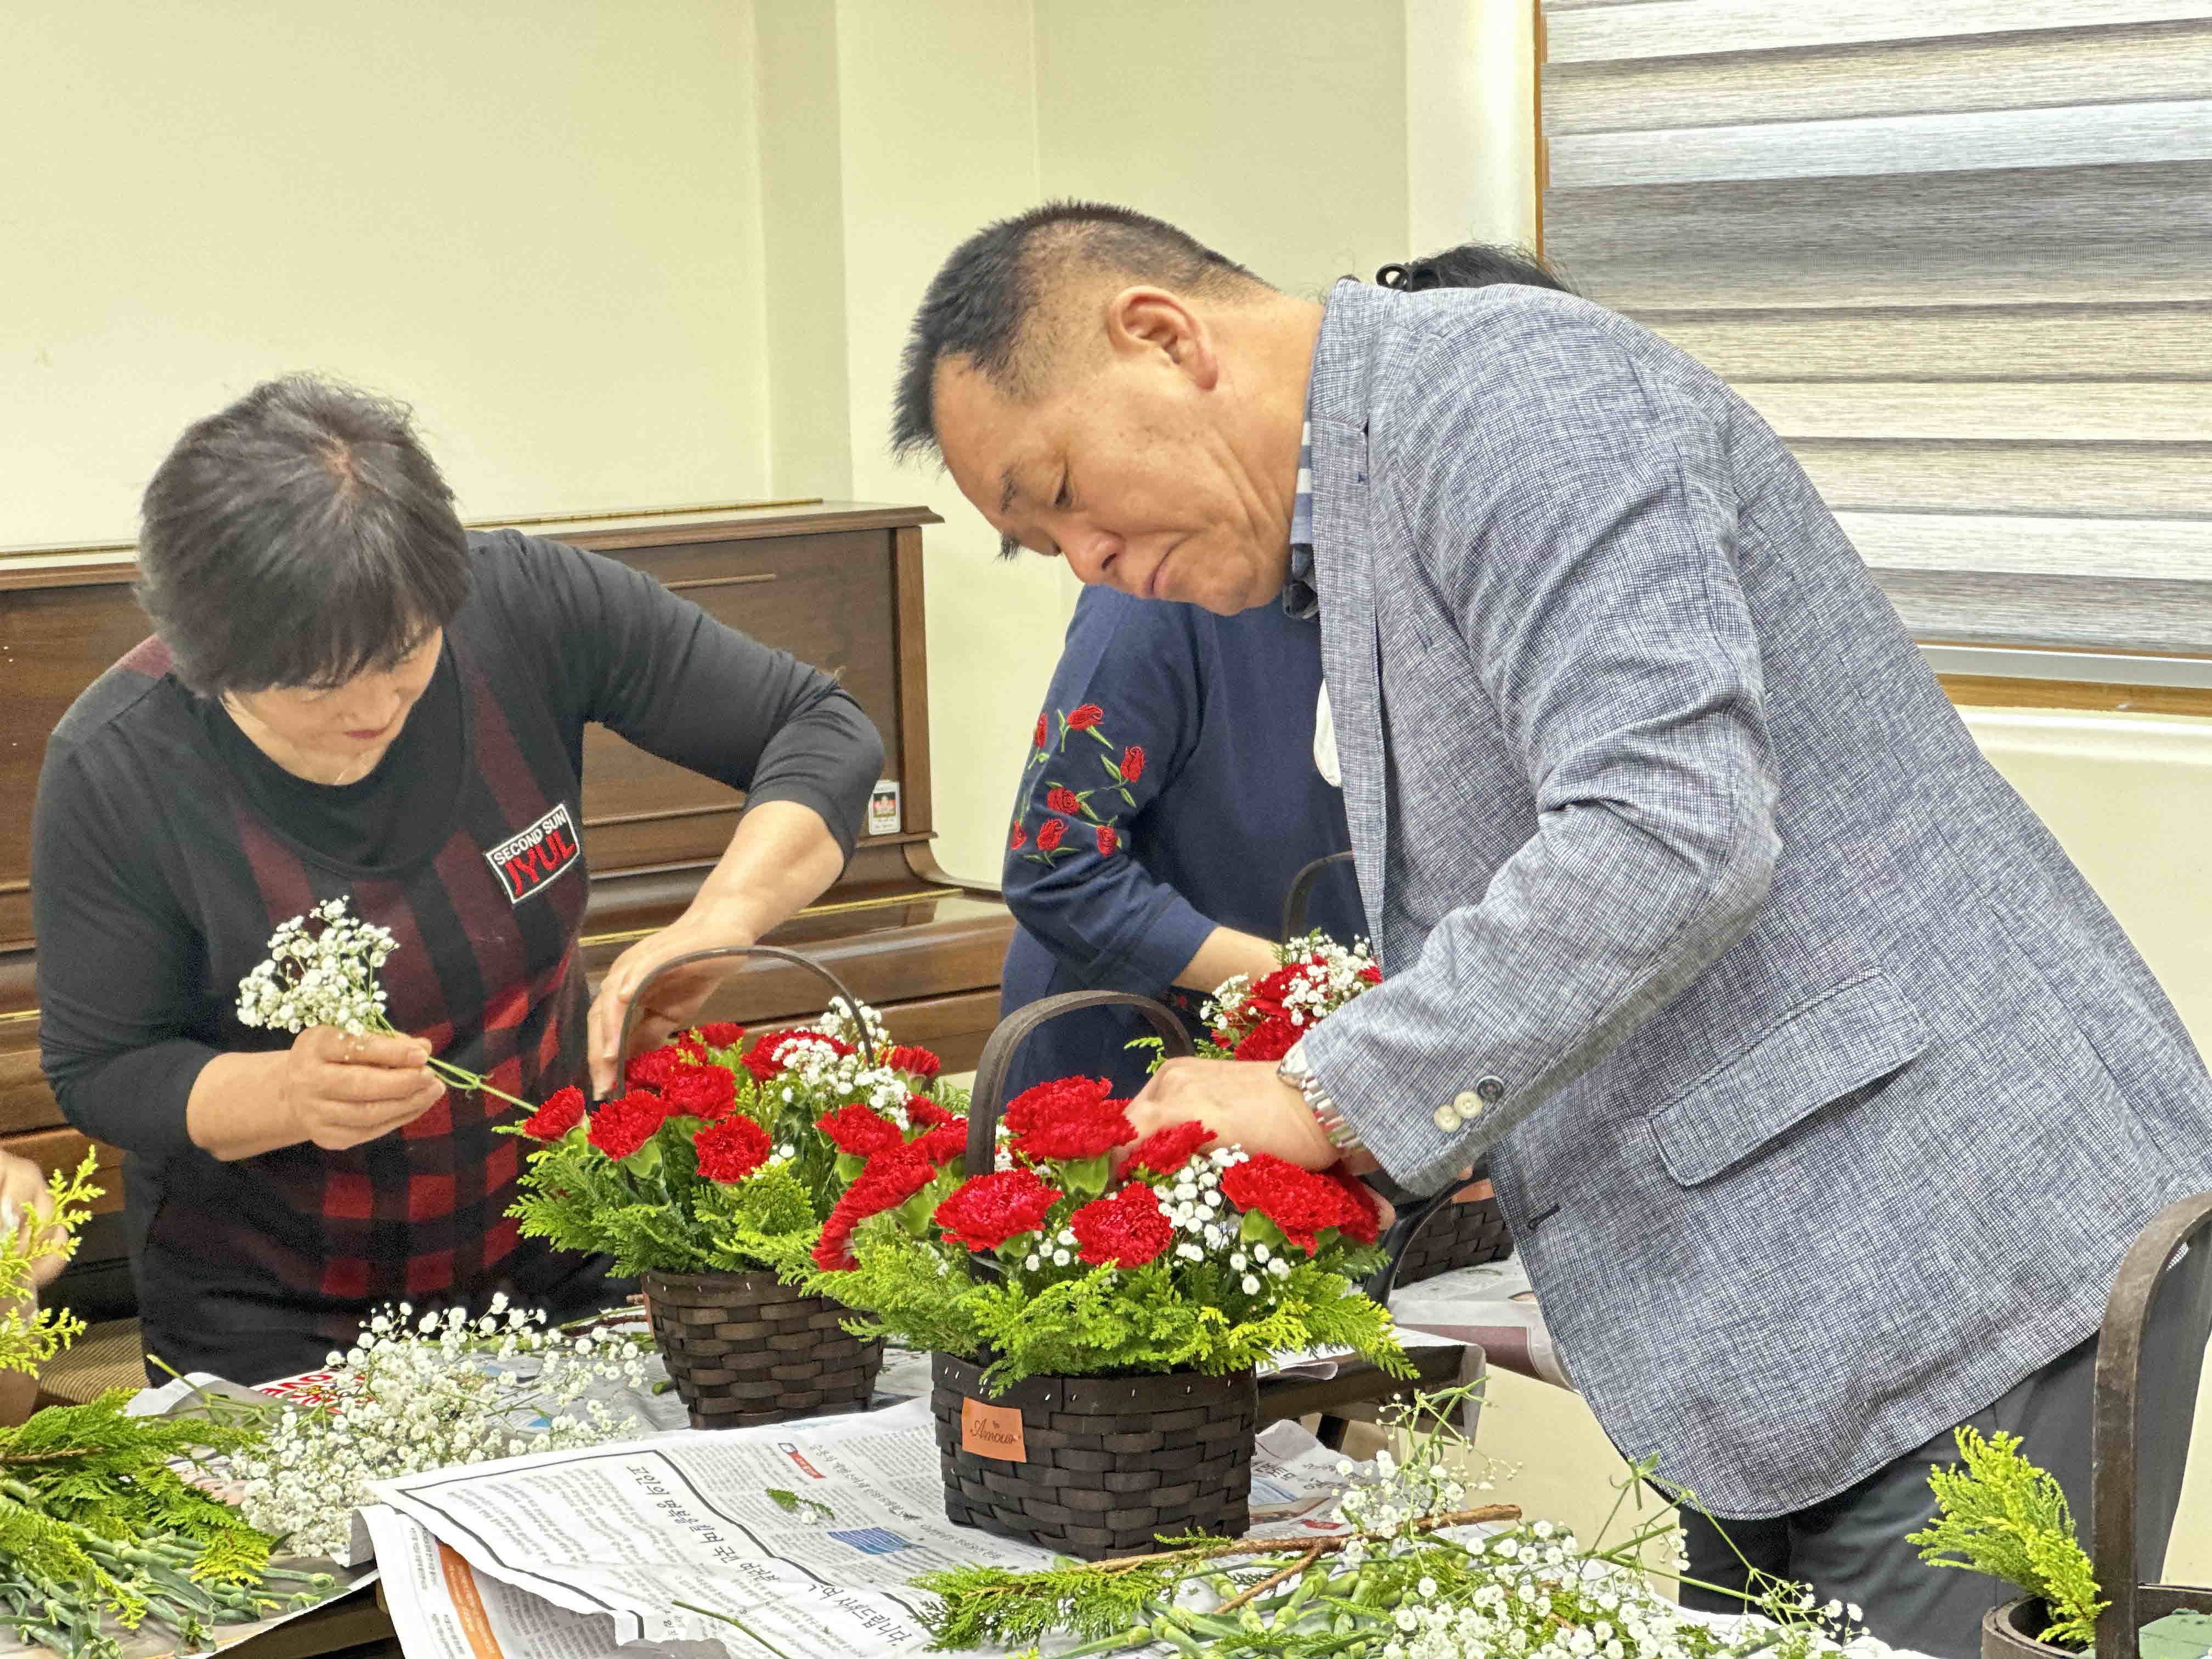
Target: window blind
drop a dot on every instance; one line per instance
(1958, 252)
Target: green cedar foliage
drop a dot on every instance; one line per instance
(2003, 1516)
(28, 1340)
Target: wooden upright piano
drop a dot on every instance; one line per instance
(836, 584)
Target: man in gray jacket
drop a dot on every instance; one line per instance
(1822, 1094)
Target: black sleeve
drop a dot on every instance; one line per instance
(121, 970)
(661, 671)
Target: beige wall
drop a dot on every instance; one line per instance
(541, 224)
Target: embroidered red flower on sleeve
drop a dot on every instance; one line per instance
(731, 1149)
(985, 1211)
(1043, 732)
(563, 1111)
(706, 1091)
(621, 1126)
(1132, 763)
(1083, 718)
(1165, 1151)
(1050, 833)
(1126, 1230)
(1301, 1203)
(1061, 798)
(1110, 840)
(1019, 839)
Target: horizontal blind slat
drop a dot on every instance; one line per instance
(2149, 549)
(2024, 476)
(1941, 342)
(2092, 135)
(2153, 412)
(2151, 61)
(1674, 28)
(2064, 611)
(2068, 234)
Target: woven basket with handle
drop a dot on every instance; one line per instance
(1088, 1466)
(742, 1348)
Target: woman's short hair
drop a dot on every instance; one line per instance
(298, 537)
(1472, 264)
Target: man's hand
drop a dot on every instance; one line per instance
(340, 1090)
(673, 1000)
(26, 1204)
(1245, 1104)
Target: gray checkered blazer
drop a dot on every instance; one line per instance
(1822, 1094)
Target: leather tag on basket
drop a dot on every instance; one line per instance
(992, 1432)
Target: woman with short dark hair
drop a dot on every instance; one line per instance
(348, 695)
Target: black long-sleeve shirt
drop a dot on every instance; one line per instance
(166, 849)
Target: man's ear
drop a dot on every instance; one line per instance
(1152, 321)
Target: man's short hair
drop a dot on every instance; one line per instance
(298, 538)
(985, 302)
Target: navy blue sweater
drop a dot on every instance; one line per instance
(1171, 790)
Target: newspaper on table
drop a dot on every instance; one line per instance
(802, 1536)
(1493, 1307)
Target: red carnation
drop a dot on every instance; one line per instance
(1061, 798)
(1108, 841)
(914, 1062)
(1300, 1203)
(1050, 833)
(707, 1091)
(1084, 718)
(860, 1130)
(891, 1177)
(1049, 1099)
(1018, 840)
(1372, 974)
(944, 1142)
(1362, 1219)
(1132, 763)
(766, 1060)
(1165, 1151)
(688, 1049)
(563, 1111)
(731, 1150)
(1043, 732)
(621, 1126)
(924, 1113)
(653, 1068)
(986, 1210)
(1126, 1231)
(1079, 1132)
(721, 1034)
(1270, 1040)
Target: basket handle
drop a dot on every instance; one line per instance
(1300, 894)
(838, 993)
(985, 1098)
(2113, 1466)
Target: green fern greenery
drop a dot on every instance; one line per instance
(1108, 1321)
(95, 1524)
(581, 1200)
(2002, 1515)
(28, 1340)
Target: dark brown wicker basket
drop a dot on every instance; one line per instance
(743, 1349)
(1111, 1462)
(1458, 1235)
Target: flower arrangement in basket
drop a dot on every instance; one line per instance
(720, 1165)
(1259, 1020)
(1096, 1305)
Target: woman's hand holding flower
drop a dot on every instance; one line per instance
(340, 1090)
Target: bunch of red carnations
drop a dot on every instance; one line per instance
(1088, 1252)
(724, 1156)
(1259, 1019)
